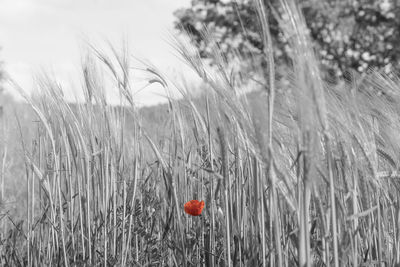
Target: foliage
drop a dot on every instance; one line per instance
(348, 35)
(299, 177)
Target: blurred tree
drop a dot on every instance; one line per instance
(348, 35)
(358, 35)
(233, 25)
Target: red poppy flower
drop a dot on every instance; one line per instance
(194, 207)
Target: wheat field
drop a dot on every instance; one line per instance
(303, 174)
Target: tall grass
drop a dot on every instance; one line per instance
(304, 174)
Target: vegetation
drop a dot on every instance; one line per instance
(302, 174)
(349, 36)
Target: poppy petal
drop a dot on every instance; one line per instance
(194, 207)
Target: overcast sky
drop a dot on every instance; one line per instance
(38, 35)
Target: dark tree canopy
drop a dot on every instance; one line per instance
(347, 35)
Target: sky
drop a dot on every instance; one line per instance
(49, 35)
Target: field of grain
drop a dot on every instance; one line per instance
(297, 173)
